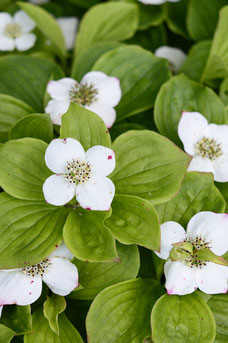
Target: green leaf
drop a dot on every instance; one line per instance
(17, 318)
(150, 15)
(94, 277)
(34, 125)
(218, 304)
(188, 319)
(6, 334)
(29, 231)
(121, 313)
(141, 75)
(85, 126)
(198, 193)
(23, 169)
(26, 78)
(208, 255)
(134, 220)
(223, 188)
(181, 94)
(53, 306)
(148, 165)
(88, 238)
(176, 17)
(47, 25)
(223, 91)
(113, 21)
(11, 110)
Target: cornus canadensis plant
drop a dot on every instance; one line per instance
(97, 92)
(79, 173)
(68, 26)
(175, 56)
(193, 260)
(206, 143)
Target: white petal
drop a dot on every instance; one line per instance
(174, 55)
(101, 159)
(171, 232)
(57, 190)
(62, 251)
(18, 288)
(1, 308)
(61, 276)
(25, 42)
(57, 108)
(68, 26)
(212, 278)
(59, 90)
(201, 164)
(25, 21)
(220, 134)
(213, 227)
(94, 76)
(5, 19)
(61, 151)
(180, 279)
(192, 127)
(96, 194)
(221, 168)
(6, 44)
(107, 113)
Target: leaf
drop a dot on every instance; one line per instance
(6, 334)
(181, 94)
(218, 304)
(53, 306)
(188, 319)
(198, 193)
(150, 15)
(134, 220)
(223, 91)
(88, 238)
(26, 78)
(141, 75)
(208, 255)
(17, 318)
(34, 125)
(148, 165)
(85, 126)
(121, 313)
(29, 231)
(23, 169)
(11, 110)
(94, 277)
(47, 25)
(176, 17)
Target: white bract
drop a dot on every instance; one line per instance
(206, 143)
(97, 92)
(79, 173)
(175, 56)
(23, 286)
(156, 2)
(205, 231)
(15, 31)
(68, 26)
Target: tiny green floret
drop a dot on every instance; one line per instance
(78, 171)
(208, 148)
(83, 94)
(13, 30)
(37, 269)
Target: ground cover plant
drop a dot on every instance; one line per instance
(114, 171)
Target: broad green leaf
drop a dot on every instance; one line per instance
(208, 255)
(148, 165)
(83, 3)
(53, 306)
(121, 313)
(223, 188)
(218, 304)
(47, 25)
(23, 169)
(26, 78)
(85, 126)
(34, 125)
(150, 15)
(134, 220)
(88, 238)
(223, 91)
(188, 319)
(42, 333)
(29, 230)
(141, 75)
(176, 17)
(113, 21)
(6, 334)
(11, 110)
(181, 94)
(17, 318)
(198, 193)
(94, 277)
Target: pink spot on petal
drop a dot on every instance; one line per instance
(56, 245)
(64, 141)
(30, 293)
(195, 288)
(201, 281)
(109, 157)
(184, 278)
(170, 291)
(31, 282)
(107, 131)
(88, 208)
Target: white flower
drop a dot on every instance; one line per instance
(80, 173)
(156, 2)
(175, 56)
(39, 2)
(14, 31)
(206, 143)
(68, 26)
(97, 92)
(23, 286)
(206, 230)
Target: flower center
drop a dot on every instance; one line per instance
(197, 244)
(37, 269)
(78, 171)
(208, 148)
(83, 94)
(13, 30)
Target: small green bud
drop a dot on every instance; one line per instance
(178, 254)
(184, 245)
